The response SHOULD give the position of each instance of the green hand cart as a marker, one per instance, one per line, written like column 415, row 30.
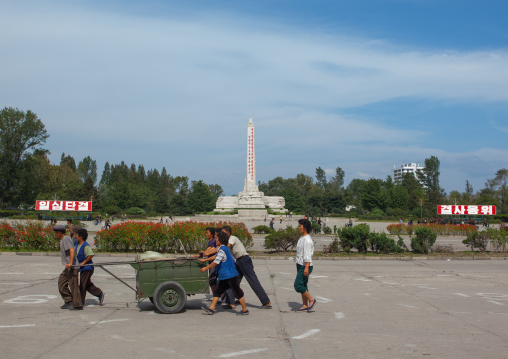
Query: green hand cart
column 166, row 282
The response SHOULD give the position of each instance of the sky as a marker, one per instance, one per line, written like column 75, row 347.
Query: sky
column 364, row 85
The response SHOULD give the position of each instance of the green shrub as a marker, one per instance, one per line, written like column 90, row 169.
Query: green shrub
column 333, row 247
column 163, row 238
column 112, row 209
column 135, row 211
column 381, row 243
column 29, row 236
column 262, row 229
column 327, row 230
column 316, row 228
column 498, row 239
column 283, row 239
column 423, row 241
column 479, row 240
column 9, row 213
column 356, row 237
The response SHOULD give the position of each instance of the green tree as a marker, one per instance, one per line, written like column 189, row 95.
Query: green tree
column 499, row 187
column 20, row 135
column 87, row 169
column 200, row 198
column 373, row 196
column 338, row 180
column 321, row 178
column 430, row 178
column 414, row 190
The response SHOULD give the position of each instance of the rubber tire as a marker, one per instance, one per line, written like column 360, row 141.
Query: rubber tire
column 169, row 297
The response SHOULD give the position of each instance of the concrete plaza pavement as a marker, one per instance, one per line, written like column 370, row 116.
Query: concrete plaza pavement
column 365, row 309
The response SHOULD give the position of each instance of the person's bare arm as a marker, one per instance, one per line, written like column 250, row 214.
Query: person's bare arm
column 211, row 265
column 71, row 252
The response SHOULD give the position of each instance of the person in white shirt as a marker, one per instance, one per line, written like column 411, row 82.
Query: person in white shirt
column 304, row 252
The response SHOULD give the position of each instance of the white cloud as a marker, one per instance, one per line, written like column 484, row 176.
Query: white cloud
column 178, row 92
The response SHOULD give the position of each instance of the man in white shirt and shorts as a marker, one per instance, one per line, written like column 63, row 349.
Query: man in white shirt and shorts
column 304, row 252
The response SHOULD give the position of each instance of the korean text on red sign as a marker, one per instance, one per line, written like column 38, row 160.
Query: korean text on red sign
column 466, row 209
column 63, row 206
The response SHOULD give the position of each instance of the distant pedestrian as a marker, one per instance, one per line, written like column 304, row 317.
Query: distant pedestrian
column 265, row 218
column 271, row 224
column 72, row 231
column 280, row 219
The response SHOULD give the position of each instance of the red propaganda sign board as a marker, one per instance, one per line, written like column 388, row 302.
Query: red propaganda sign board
column 467, row 209
column 63, row 206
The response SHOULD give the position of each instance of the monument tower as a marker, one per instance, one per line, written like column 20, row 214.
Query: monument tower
column 250, row 180
column 250, row 197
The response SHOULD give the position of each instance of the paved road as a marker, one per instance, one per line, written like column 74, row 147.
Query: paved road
column 365, row 309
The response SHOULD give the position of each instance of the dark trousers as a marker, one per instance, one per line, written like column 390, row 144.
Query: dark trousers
column 245, row 268
column 232, row 284
column 68, row 287
column 86, row 285
column 212, row 282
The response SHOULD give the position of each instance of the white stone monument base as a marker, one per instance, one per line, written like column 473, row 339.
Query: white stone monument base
column 252, row 213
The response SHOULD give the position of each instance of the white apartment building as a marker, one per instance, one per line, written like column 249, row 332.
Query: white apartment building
column 405, row 168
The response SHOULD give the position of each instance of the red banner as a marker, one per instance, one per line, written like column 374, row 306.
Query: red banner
column 63, row 206
column 467, row 209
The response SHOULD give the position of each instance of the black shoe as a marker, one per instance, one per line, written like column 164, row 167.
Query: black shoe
column 77, row 308
column 67, row 305
column 241, row 312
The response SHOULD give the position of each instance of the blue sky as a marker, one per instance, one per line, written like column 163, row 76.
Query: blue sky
column 364, row 85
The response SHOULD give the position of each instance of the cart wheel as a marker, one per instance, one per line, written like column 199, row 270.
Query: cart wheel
column 169, row 297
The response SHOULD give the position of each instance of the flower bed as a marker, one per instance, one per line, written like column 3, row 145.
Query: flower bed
column 29, row 236
column 163, row 238
column 439, row 229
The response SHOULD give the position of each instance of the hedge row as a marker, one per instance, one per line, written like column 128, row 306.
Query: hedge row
column 439, row 229
column 29, row 236
column 163, row 238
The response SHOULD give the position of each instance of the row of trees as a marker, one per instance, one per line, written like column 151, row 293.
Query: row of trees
column 26, row 174
column 124, row 187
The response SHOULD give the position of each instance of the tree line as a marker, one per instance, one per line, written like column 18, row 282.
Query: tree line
column 26, row 174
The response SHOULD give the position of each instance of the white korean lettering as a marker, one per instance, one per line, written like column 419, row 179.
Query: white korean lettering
column 458, row 210
column 56, row 206
column 69, row 205
column 82, row 206
column 43, row 205
column 446, row 209
column 486, row 210
column 472, row 209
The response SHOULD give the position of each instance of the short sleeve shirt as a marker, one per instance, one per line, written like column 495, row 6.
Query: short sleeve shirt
column 88, row 251
column 237, row 249
column 220, row 256
column 65, row 254
column 212, row 243
column 304, row 250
